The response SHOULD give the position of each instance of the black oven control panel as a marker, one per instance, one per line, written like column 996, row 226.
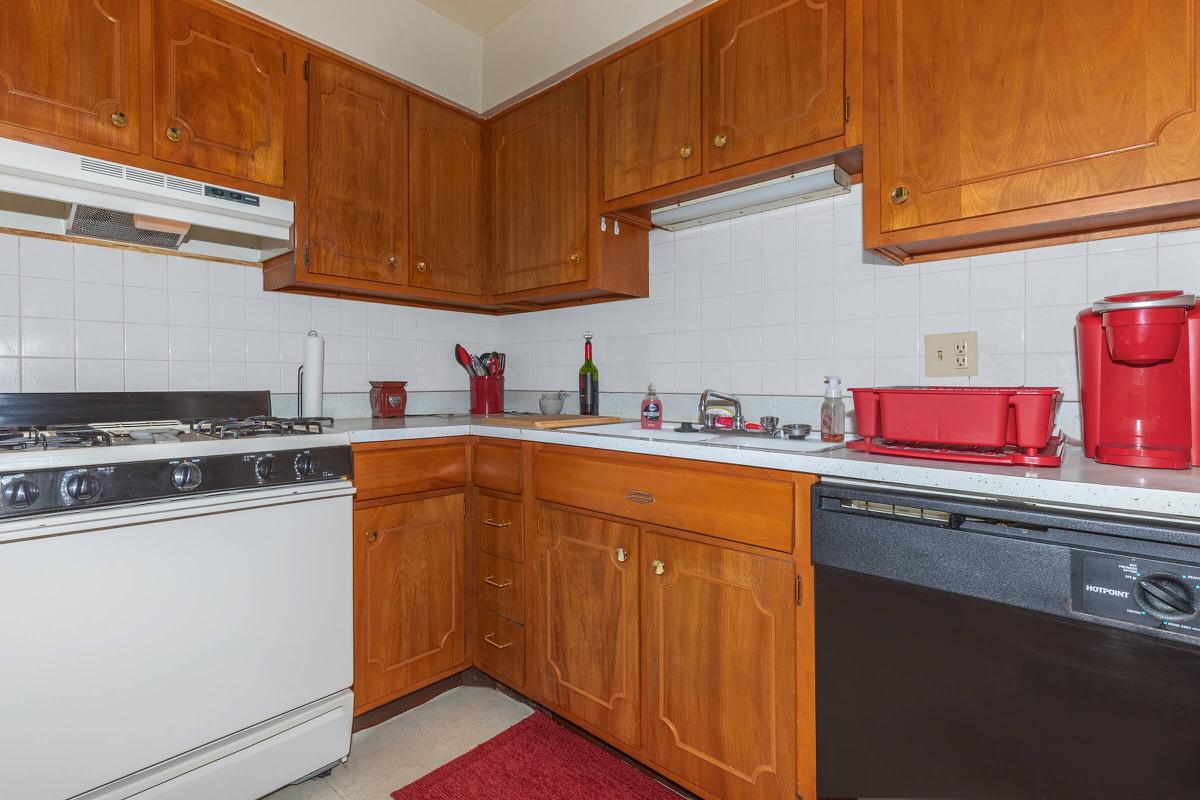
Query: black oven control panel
column 1137, row 591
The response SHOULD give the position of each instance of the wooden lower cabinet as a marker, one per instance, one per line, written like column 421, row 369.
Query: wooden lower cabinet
column 408, row 595
column 585, row 619
column 719, row 644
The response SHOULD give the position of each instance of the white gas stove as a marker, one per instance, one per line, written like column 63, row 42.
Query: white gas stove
column 175, row 596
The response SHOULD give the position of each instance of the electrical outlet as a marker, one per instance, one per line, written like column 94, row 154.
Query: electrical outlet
column 950, row 355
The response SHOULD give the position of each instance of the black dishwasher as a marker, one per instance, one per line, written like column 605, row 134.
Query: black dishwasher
column 975, row 649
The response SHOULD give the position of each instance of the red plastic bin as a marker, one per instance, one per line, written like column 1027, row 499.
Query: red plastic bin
column 986, row 424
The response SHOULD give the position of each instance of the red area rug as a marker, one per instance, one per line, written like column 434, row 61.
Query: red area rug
column 536, row 760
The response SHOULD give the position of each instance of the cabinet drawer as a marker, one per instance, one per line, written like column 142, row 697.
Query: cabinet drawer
column 501, row 647
column 385, row 471
column 502, row 587
column 498, row 467
column 501, row 528
column 736, row 506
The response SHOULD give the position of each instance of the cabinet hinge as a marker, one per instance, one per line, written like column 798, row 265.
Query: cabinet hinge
column 306, row 69
column 847, row 115
column 285, row 169
column 285, row 61
column 799, row 590
column 306, row 254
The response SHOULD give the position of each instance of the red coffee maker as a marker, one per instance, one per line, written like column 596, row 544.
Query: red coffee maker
column 1139, row 379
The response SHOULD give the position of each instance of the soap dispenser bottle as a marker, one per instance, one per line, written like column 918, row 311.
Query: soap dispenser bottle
column 833, row 411
column 652, row 411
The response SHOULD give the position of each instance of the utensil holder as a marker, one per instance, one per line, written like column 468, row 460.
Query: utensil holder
column 487, row 394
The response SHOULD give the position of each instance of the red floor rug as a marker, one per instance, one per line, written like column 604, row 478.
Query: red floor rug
column 536, row 760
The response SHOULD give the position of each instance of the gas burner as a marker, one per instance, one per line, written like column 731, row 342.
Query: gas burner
column 17, row 438
column 54, row 437
column 233, row 428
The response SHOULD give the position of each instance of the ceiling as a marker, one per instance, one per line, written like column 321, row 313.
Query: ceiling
column 479, row 16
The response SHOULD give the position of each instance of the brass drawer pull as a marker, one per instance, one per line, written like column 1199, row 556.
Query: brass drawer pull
column 658, row 567
column 496, row 644
column 492, row 523
column 622, row 555
column 490, row 580
column 372, row 536
column 119, row 119
column 639, row 497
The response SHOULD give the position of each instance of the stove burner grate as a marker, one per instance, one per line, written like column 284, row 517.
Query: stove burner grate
column 233, row 428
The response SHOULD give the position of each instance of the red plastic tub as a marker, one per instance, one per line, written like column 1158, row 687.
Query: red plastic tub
column 1000, row 424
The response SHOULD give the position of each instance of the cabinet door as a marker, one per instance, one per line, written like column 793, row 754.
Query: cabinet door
column 652, row 114
column 218, row 93
column 70, row 68
column 585, row 619
column 538, row 163
column 408, row 571
column 719, row 639
column 775, row 77
column 1012, row 104
column 357, row 181
column 446, row 198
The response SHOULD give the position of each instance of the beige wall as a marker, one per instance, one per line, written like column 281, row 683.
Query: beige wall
column 548, row 36
column 402, row 37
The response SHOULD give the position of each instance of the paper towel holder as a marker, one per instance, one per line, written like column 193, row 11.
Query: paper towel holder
column 300, row 385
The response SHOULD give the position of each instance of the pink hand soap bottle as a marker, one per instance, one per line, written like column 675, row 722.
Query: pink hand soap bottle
column 651, row 410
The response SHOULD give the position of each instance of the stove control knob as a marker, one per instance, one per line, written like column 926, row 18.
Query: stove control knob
column 21, row 494
column 307, row 465
column 265, row 468
column 81, row 487
column 186, row 476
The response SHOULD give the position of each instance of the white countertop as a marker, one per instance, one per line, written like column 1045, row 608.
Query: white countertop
column 1080, row 482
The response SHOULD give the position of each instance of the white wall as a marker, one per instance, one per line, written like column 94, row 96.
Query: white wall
column 548, row 36
column 402, row 37
column 770, row 303
column 77, row 317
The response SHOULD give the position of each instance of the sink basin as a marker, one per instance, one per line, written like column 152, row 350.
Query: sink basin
column 812, row 444
column 634, row 430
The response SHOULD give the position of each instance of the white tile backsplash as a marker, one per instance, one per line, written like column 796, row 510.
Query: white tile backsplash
column 766, row 304
column 76, row 317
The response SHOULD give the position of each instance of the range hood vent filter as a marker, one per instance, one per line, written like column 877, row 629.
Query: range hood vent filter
column 118, row 226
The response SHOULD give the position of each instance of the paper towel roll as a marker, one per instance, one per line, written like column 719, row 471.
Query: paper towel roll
column 313, row 381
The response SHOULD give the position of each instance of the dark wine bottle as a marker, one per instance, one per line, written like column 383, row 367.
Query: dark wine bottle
column 589, row 380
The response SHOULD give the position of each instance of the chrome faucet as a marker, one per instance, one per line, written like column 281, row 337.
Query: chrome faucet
column 739, row 422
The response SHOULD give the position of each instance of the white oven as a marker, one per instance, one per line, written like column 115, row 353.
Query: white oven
column 188, row 649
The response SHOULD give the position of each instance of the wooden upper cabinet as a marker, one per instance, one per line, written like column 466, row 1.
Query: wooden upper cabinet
column 585, row 619
column 651, row 114
column 218, row 93
column 1010, row 104
column 408, row 585
column 538, row 160
column 69, row 68
column 357, row 174
column 774, row 77
column 445, row 198
column 719, row 641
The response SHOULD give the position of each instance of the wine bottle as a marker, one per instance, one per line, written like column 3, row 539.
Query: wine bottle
column 589, row 380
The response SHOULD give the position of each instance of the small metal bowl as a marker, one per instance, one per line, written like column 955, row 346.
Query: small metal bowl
column 797, row 430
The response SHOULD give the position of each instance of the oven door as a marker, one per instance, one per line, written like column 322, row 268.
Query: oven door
column 132, row 635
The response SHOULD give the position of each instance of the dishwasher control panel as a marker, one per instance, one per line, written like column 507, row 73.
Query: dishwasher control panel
column 1137, row 591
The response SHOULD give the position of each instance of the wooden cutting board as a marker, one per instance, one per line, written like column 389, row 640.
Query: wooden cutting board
column 547, row 422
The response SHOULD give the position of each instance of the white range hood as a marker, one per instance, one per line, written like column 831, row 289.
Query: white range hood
column 800, row 187
column 52, row 191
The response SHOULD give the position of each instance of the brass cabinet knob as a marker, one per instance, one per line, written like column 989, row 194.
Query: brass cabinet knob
column 372, row 536
column 576, row 258
column 422, row 266
column 720, row 140
column 174, row 134
column 899, row 195
column 658, row 567
column 119, row 119
column 392, row 262
column 685, row 151
column 622, row 555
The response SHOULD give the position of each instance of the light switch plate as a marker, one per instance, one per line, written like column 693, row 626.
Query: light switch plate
column 950, row 355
